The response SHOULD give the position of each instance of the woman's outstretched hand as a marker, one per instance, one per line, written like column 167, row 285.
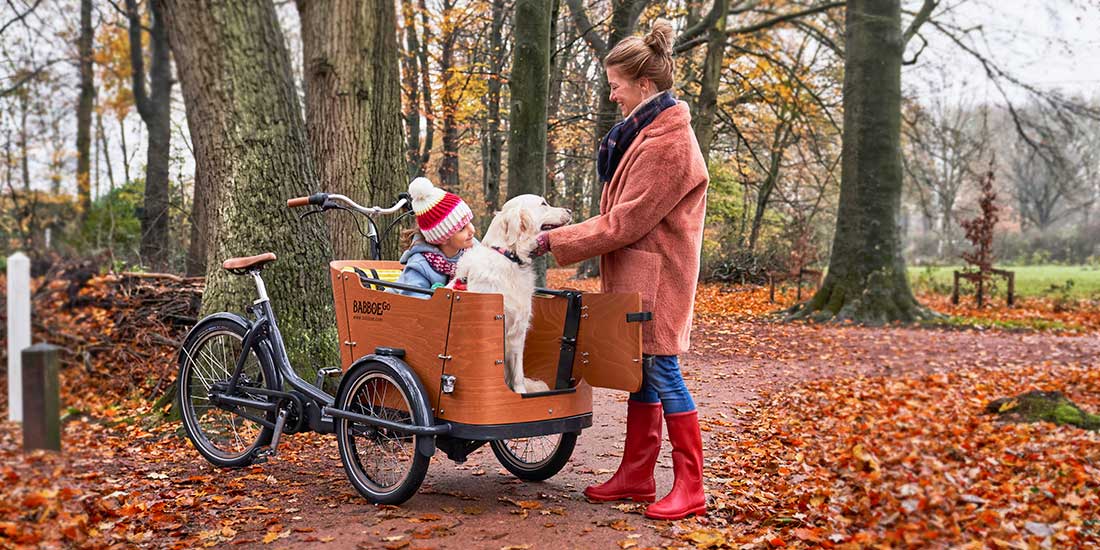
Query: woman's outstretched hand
column 542, row 245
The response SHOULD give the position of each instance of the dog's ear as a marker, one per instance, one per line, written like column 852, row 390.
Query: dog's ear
column 509, row 226
column 527, row 224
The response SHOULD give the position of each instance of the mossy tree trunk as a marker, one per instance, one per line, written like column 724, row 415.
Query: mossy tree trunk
column 251, row 154
column 353, row 110
column 866, row 281
column 530, row 85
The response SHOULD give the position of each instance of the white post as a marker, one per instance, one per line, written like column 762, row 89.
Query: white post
column 19, row 329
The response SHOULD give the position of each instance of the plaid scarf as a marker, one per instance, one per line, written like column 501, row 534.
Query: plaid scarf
column 440, row 264
column 618, row 140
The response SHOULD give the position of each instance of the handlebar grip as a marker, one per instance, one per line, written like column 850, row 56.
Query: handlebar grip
column 316, row 199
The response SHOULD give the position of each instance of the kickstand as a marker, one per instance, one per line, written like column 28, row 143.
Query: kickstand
column 261, row 455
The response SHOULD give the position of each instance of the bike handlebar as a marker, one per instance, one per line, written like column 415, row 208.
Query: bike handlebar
column 321, row 199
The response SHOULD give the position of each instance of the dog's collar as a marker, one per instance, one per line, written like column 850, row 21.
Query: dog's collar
column 509, row 254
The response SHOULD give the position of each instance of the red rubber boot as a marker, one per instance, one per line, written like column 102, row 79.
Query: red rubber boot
column 634, row 478
column 687, row 496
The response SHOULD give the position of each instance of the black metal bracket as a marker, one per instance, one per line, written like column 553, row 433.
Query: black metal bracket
column 569, row 340
column 639, row 316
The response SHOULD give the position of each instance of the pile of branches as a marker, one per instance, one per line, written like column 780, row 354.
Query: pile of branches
column 119, row 332
column 744, row 267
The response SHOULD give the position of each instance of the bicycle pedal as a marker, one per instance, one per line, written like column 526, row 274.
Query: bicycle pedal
column 259, row 456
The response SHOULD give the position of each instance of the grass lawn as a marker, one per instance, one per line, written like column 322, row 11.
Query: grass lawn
column 1031, row 281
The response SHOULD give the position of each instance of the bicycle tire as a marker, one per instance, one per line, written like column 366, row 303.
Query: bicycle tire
column 535, row 470
column 365, row 390
column 209, row 356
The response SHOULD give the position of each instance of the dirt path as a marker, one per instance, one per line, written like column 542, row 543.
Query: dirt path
column 474, row 505
column 302, row 498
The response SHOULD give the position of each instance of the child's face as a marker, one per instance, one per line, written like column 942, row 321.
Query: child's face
column 463, row 239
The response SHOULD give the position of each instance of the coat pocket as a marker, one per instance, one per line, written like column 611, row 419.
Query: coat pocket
column 634, row 270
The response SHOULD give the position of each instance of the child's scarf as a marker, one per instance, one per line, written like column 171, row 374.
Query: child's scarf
column 618, row 140
column 440, row 264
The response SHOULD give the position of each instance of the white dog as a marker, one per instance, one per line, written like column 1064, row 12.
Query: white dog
column 501, row 263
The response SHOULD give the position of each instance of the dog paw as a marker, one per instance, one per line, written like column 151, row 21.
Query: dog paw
column 535, row 386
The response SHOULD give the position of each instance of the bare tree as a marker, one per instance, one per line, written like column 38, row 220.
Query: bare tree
column 945, row 145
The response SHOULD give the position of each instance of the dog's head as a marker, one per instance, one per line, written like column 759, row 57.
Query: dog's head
column 520, row 220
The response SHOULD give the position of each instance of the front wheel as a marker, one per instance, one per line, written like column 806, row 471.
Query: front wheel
column 226, row 438
column 383, row 464
column 535, row 458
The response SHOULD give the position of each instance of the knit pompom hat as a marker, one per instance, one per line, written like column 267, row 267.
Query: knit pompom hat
column 439, row 214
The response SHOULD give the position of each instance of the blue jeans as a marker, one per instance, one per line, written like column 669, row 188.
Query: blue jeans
column 662, row 382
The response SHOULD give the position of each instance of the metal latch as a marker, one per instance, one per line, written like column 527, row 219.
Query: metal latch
column 448, row 381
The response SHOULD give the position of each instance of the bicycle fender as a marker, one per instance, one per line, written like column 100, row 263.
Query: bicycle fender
column 419, row 397
column 232, row 318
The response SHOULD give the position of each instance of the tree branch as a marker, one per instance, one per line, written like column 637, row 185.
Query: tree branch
column 918, row 20
column 585, row 28
column 785, row 17
column 19, row 17
column 708, row 21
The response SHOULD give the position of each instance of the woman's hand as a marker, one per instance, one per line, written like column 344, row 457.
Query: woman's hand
column 542, row 245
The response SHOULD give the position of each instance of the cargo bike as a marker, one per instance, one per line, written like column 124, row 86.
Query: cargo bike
column 416, row 375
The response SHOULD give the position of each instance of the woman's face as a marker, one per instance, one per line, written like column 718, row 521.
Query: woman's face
column 626, row 92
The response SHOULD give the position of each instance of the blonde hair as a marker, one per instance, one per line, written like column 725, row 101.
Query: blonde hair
column 646, row 57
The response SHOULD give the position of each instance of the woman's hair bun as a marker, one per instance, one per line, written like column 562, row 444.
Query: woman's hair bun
column 659, row 38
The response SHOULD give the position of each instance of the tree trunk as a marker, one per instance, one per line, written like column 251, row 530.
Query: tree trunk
column 353, row 110
column 428, row 110
column 410, row 84
column 84, row 110
column 624, row 16
column 553, row 106
column 251, row 154
column 866, row 281
column 706, row 105
column 155, row 111
column 448, row 166
column 492, row 142
column 529, row 85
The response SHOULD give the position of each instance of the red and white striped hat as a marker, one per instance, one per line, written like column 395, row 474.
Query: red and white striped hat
column 439, row 214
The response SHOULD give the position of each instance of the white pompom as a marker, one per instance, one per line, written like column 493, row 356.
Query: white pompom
column 420, row 188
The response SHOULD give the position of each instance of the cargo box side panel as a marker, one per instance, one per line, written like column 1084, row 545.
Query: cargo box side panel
column 384, row 319
column 609, row 347
column 476, row 359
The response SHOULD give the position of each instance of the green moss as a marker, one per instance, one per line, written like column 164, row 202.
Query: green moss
column 1005, row 324
column 1036, row 406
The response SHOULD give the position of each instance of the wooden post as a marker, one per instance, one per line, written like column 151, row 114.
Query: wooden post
column 19, row 329
column 955, row 290
column 1011, row 287
column 981, row 285
column 41, row 399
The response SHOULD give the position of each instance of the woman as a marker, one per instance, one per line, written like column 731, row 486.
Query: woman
column 649, row 234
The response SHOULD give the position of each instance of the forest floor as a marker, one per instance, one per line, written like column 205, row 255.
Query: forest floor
column 829, row 436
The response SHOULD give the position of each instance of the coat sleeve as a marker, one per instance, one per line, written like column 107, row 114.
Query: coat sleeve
column 414, row 275
column 657, row 181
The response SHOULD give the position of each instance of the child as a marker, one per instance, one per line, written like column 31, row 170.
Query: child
column 443, row 233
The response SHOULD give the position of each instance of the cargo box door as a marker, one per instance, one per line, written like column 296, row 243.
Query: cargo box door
column 609, row 341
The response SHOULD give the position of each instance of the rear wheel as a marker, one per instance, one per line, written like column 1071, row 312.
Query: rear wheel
column 224, row 437
column 535, row 458
column 382, row 464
